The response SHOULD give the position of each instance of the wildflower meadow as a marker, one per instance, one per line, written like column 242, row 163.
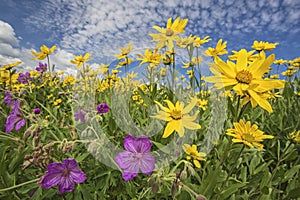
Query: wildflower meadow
column 178, row 121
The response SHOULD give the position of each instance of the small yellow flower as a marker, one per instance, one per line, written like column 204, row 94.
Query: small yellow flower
column 45, row 51
column 280, row 62
column 185, row 41
column 150, row 56
column 202, row 103
column 57, row 101
column 295, row 135
column 124, row 51
column 247, row 134
column 192, row 153
column 79, row 60
column 261, row 46
column 177, row 117
column 219, row 50
column 198, row 42
column 10, row 66
column 193, row 62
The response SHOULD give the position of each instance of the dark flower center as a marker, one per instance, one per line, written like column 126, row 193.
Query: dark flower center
column 176, row 114
column 66, row 172
column 169, row 32
column 248, row 137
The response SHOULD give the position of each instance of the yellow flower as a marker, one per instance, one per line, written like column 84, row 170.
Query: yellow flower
column 177, row 117
column 219, row 50
column 185, row 42
column 79, row 60
column 4, row 75
column 124, row 51
column 202, row 103
column 198, row 42
column 10, row 66
column 150, row 56
column 289, row 72
column 250, row 56
column 245, row 79
column 190, row 73
column 193, row 62
column 192, row 153
column 169, row 34
column 274, row 76
column 57, row 101
column 45, row 51
column 280, row 62
column 261, row 46
column 70, row 80
column 247, row 134
column 295, row 135
column 103, row 68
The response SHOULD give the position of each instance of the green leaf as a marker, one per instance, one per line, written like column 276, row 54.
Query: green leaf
column 231, row 190
column 291, row 172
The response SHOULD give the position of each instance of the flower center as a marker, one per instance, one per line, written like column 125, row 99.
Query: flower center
column 248, row 137
column 66, row 172
column 169, row 32
column 244, row 76
column 176, row 114
column 138, row 155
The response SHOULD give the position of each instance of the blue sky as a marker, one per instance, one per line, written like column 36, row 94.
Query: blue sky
column 101, row 27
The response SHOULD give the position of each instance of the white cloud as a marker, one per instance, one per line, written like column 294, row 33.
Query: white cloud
column 7, row 34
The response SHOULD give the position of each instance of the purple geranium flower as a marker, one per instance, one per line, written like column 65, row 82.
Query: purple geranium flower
column 136, row 157
column 80, row 115
column 102, row 108
column 8, row 99
column 15, row 118
column 42, row 67
column 24, row 78
column 64, row 174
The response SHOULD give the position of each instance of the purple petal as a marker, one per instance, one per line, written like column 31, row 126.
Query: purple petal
column 124, row 159
column 130, row 144
column 20, row 124
column 147, row 163
column 50, row 180
column 55, row 167
column 127, row 176
column 78, row 176
column 70, row 163
column 11, row 120
column 66, row 185
column 144, row 144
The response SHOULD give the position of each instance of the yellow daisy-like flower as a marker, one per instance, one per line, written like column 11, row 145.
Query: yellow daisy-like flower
column 169, row 34
column 10, row 66
column 150, row 56
column 250, row 56
column 219, row 50
column 198, row 41
column 79, row 60
column 124, row 51
column 295, row 135
column 261, row 46
column 45, row 51
column 194, row 61
column 247, row 134
column 185, row 41
column 245, row 78
column 192, row 153
column 280, row 62
column 177, row 117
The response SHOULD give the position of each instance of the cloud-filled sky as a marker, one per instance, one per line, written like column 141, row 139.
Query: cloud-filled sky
column 100, row 27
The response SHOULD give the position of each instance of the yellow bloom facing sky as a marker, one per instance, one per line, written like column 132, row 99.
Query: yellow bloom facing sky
column 247, row 134
column 79, row 60
column 167, row 35
column 245, row 78
column 178, row 117
column 192, row 153
column 260, row 46
column 45, row 51
column 218, row 51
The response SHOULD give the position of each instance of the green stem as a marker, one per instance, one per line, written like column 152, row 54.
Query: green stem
column 21, row 184
column 48, row 63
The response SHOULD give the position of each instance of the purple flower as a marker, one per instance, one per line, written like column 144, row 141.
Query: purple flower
column 80, row 115
column 136, row 157
column 102, row 108
column 8, row 99
column 24, row 78
column 15, row 118
column 42, row 67
column 36, row 110
column 64, row 174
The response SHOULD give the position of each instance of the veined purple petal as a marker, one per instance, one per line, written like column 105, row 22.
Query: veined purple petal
column 66, row 184
column 10, row 123
column 70, row 163
column 143, row 144
column 130, row 144
column 50, row 180
column 78, row 176
column 124, row 159
column 55, row 167
column 127, row 176
column 147, row 164
column 20, row 124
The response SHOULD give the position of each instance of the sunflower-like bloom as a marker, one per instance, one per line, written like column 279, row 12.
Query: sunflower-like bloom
column 247, row 134
column 124, row 51
column 295, row 135
column 169, row 34
column 193, row 62
column 45, row 51
column 10, row 66
column 218, row 51
column 177, row 117
column 198, row 41
column 280, row 62
column 150, row 56
column 192, row 153
column 185, row 41
column 245, row 78
column 261, row 46
column 79, row 60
